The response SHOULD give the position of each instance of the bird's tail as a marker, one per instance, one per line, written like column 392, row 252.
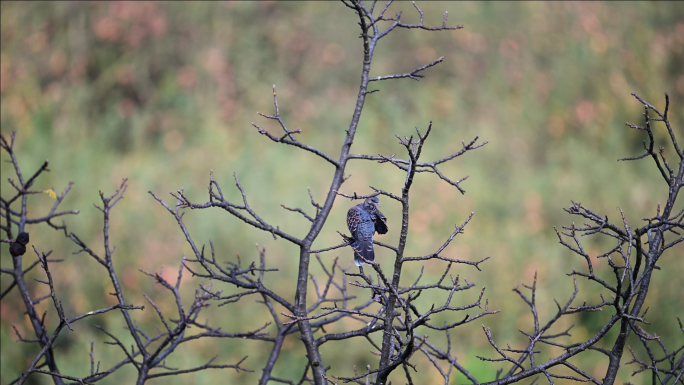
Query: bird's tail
column 365, row 250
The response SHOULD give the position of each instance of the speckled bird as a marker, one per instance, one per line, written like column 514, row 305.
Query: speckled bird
column 363, row 221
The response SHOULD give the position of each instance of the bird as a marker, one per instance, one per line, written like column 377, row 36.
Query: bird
column 363, row 220
column 18, row 247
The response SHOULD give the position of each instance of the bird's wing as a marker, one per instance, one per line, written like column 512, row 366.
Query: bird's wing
column 380, row 222
column 353, row 220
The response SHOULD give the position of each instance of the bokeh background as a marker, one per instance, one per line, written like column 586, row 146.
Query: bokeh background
column 163, row 92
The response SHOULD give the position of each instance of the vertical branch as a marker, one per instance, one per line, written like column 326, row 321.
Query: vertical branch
column 108, row 203
column 17, row 259
column 414, row 155
column 675, row 183
column 315, row 360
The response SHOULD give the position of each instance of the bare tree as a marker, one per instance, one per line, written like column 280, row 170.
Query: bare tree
column 390, row 297
column 393, row 323
column 142, row 355
column 632, row 265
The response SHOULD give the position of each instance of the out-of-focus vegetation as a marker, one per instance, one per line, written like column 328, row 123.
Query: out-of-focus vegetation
column 163, row 92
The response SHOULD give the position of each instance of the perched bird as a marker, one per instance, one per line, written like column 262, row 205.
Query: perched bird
column 18, row 247
column 363, row 221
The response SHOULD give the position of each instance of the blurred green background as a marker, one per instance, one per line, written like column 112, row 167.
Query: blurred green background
column 163, row 92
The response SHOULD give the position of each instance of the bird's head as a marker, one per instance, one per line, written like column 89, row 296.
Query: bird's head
column 372, row 202
column 22, row 238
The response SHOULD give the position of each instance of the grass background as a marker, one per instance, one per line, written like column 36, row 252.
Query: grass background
column 163, row 92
